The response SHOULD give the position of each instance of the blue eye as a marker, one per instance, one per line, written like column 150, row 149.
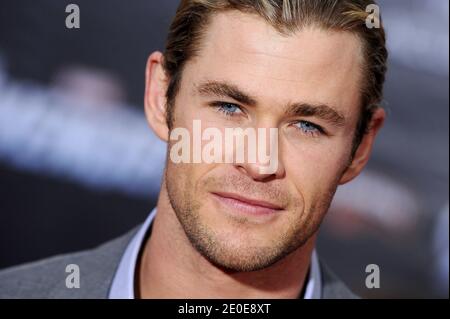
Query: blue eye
column 228, row 108
column 309, row 128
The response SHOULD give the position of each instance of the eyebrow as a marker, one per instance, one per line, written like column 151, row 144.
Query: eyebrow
column 322, row 111
column 224, row 89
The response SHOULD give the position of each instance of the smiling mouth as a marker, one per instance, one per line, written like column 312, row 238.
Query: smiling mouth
column 247, row 206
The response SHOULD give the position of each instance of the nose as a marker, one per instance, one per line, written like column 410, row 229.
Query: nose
column 266, row 165
column 257, row 172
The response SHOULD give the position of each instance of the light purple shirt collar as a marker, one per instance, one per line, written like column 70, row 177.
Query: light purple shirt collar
column 123, row 283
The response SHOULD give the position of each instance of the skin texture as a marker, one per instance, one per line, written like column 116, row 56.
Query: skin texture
column 199, row 246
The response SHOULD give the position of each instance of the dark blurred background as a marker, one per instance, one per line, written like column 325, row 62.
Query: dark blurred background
column 78, row 165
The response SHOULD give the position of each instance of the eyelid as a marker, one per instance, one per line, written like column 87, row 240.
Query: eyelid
column 319, row 128
column 222, row 103
column 219, row 104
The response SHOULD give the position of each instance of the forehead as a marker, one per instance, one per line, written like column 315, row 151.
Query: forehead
column 311, row 65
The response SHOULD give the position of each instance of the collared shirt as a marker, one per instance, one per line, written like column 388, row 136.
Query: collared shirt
column 123, row 283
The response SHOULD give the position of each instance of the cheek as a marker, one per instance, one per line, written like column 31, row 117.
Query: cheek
column 314, row 170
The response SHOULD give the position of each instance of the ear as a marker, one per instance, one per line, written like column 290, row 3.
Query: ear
column 155, row 95
column 364, row 150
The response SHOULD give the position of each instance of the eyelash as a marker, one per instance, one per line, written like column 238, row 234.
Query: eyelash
column 220, row 107
column 317, row 130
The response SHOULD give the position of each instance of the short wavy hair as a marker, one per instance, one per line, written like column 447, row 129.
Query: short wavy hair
column 287, row 17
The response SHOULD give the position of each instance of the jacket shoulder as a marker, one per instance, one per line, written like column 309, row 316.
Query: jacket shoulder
column 47, row 278
column 333, row 287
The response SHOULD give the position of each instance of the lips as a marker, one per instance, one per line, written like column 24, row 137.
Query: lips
column 247, row 205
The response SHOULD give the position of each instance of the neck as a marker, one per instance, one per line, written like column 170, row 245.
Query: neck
column 172, row 268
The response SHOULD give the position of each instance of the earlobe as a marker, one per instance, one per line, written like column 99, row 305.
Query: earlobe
column 364, row 150
column 155, row 95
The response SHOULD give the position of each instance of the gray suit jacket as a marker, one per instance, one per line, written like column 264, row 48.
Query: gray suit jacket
column 47, row 278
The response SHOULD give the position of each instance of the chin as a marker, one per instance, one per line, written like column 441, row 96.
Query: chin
column 242, row 259
column 238, row 248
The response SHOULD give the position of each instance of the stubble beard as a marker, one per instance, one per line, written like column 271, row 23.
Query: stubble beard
column 242, row 257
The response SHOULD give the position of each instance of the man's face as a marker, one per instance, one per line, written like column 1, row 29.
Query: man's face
column 307, row 86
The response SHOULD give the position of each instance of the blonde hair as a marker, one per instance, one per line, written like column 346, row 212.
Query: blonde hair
column 287, row 17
